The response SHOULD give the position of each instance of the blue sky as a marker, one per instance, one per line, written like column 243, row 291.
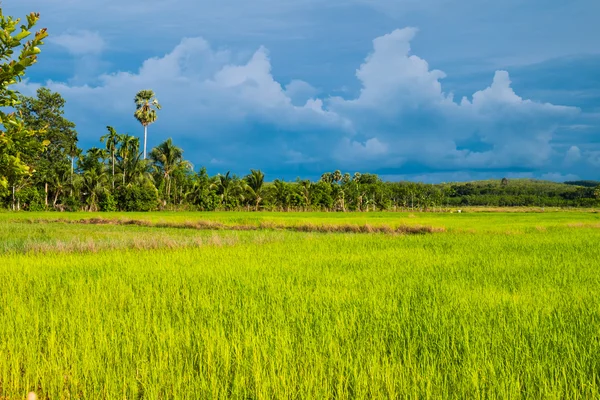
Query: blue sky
column 430, row 90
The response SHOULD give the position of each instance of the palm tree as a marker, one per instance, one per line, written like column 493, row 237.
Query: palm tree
column 282, row 193
column 129, row 149
column 146, row 106
column 112, row 140
column 305, row 190
column 327, row 177
column 229, row 188
column 74, row 152
column 256, row 181
column 168, row 158
column 337, row 176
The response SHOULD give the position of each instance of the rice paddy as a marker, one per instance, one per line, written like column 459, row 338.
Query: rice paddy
column 299, row 305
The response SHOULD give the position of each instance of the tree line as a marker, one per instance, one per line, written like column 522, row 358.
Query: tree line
column 42, row 167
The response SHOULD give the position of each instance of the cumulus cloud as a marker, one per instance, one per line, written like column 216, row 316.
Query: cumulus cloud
column 403, row 104
column 80, row 43
column 573, row 155
column 233, row 111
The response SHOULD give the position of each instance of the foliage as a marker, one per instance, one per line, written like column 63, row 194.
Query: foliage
column 17, row 141
column 146, row 107
column 143, row 197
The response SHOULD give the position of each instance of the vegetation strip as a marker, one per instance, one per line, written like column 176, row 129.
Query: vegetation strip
column 212, row 225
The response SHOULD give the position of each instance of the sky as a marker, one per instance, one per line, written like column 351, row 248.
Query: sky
column 425, row 90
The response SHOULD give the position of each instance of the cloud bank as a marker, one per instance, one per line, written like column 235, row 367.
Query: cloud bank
column 223, row 106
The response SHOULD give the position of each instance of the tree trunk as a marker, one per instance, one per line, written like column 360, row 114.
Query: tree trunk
column 46, row 194
column 145, row 138
column 113, row 177
column 55, row 198
column 13, row 198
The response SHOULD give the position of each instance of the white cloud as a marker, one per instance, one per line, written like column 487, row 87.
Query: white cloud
column 299, row 91
column 80, row 43
column 355, row 150
column 573, row 155
column 403, row 104
column 234, row 110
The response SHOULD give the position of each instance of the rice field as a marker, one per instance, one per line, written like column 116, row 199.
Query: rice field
column 299, row 305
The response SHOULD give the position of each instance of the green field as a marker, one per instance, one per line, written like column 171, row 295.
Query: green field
column 169, row 306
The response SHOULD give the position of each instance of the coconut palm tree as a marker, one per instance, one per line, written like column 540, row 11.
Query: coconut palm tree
column 129, row 149
column 146, row 106
column 168, row 158
column 256, row 181
column 112, row 140
column 229, row 188
column 282, row 193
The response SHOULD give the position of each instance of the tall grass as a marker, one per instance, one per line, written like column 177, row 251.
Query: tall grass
column 303, row 315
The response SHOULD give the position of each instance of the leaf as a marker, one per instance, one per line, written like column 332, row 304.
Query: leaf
column 22, row 35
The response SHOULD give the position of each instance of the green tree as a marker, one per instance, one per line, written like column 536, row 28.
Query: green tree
column 112, row 140
column 44, row 113
column 94, row 176
column 229, row 188
column 168, row 158
column 16, row 139
column 128, row 153
column 256, row 181
column 146, row 107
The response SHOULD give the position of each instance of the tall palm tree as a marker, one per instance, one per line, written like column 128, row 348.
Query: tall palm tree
column 256, row 181
column 128, row 150
column 146, row 106
column 74, row 152
column 168, row 158
column 112, row 140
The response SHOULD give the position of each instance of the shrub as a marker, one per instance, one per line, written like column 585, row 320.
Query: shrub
column 138, row 197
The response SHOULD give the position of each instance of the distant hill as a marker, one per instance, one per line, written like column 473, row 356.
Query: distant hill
column 584, row 183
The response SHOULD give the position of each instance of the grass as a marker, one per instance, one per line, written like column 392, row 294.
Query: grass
column 495, row 306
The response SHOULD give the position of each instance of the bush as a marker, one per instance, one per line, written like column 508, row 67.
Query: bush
column 30, row 199
column 72, row 203
column 138, row 198
column 108, row 203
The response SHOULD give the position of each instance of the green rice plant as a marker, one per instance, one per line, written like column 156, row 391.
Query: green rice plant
column 477, row 311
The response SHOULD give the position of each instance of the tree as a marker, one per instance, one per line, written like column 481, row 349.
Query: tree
column 305, row 189
column 327, row 177
column 44, row 113
column 229, row 188
column 94, row 176
column 146, row 106
column 337, row 176
column 167, row 158
column 112, row 140
column 255, row 182
column 129, row 153
column 16, row 139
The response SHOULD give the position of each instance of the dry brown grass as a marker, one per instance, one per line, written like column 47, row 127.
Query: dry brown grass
column 265, row 225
